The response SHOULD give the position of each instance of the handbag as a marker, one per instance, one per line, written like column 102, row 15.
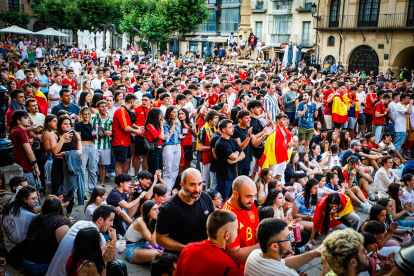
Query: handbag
column 150, row 145
column 116, row 268
column 100, row 129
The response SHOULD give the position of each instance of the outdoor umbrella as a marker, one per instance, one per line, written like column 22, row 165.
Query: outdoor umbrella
column 16, row 30
column 124, row 41
column 175, row 47
column 50, row 31
column 294, row 61
column 299, row 55
column 290, row 56
column 285, row 57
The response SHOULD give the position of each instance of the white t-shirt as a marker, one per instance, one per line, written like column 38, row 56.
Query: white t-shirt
column 96, row 83
column 20, row 75
column 407, row 197
column 335, row 161
column 399, row 116
column 39, row 53
column 141, row 55
column 139, row 96
column 231, row 99
column 256, row 265
column 361, row 99
column 89, row 211
column 390, row 146
column 54, row 91
column 58, row 265
column 76, row 67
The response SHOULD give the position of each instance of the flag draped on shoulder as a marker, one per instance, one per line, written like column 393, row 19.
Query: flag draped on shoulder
column 339, row 110
column 41, row 102
column 348, row 101
column 276, row 151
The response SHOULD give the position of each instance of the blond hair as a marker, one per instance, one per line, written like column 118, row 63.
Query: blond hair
column 338, row 246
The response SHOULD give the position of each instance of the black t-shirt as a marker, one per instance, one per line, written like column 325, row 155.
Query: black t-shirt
column 224, row 148
column 115, row 197
column 182, row 222
column 242, row 135
column 214, row 139
column 257, row 128
column 139, row 191
column 202, row 136
column 315, row 140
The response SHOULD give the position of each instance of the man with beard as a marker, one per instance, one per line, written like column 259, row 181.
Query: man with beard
column 275, row 244
column 344, row 251
column 182, row 218
column 241, row 203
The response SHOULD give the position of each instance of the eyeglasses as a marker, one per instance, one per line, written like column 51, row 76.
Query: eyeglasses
column 288, row 239
column 33, row 198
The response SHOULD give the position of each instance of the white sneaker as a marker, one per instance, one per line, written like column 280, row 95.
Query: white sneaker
column 366, row 207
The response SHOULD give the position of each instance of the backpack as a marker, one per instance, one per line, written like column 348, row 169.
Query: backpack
column 116, row 268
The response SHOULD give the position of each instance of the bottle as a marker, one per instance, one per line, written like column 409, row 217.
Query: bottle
column 3, row 271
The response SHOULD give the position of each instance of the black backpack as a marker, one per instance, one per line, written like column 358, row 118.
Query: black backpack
column 116, row 268
column 131, row 115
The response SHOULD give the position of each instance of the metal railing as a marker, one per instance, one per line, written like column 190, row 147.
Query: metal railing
column 274, row 39
column 381, row 21
column 303, row 5
column 259, row 6
column 281, row 7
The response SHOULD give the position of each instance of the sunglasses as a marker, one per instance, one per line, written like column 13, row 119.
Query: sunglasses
column 288, row 239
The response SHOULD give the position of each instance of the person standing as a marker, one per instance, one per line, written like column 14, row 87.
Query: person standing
column 54, row 92
column 288, row 99
column 228, row 153
column 401, row 112
column 360, row 94
column 307, row 111
column 270, row 102
column 241, row 203
column 96, row 83
column 209, row 256
column 122, row 129
column 380, row 111
column 67, row 105
column 17, row 102
column 182, row 218
column 141, row 112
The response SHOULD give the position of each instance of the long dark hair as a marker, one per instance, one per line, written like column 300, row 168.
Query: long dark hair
column 187, row 118
column 308, row 186
column 97, row 191
column 82, row 99
column 393, row 190
column 332, row 198
column 60, row 131
column 48, row 119
column 338, row 171
column 301, row 158
column 146, row 208
column 87, row 247
column 96, row 98
column 14, row 207
column 51, row 206
column 384, row 202
column 266, row 212
column 168, row 118
column 328, row 138
column 153, row 118
column 343, row 143
column 292, row 156
column 374, row 212
column 271, row 197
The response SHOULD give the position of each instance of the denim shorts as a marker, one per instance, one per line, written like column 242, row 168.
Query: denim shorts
column 131, row 247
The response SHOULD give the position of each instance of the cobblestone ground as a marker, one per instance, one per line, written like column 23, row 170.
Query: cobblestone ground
column 313, row 268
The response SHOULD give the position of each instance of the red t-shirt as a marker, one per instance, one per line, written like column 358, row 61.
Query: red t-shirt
column 206, row 258
column 153, row 133
column 109, row 82
column 187, row 141
column 94, row 56
column 129, row 89
column 328, row 110
column 71, row 83
column 19, row 136
column 369, row 109
column 374, row 145
column 212, row 100
column 246, row 232
column 119, row 122
column 141, row 117
column 380, row 107
column 9, row 114
column 243, row 76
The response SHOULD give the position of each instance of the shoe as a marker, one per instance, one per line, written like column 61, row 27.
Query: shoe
column 366, row 207
column 107, row 177
column 112, row 174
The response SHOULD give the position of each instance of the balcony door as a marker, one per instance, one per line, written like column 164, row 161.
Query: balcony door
column 368, row 13
column 410, row 14
column 334, row 13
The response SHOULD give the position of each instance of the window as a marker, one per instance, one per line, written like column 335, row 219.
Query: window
column 259, row 30
column 193, row 46
column 410, row 14
column 230, row 1
column 368, row 13
column 331, row 60
column 308, row 4
column 282, row 5
column 280, row 26
column 211, row 1
column 210, row 25
column 334, row 13
column 306, row 34
column 331, row 41
column 230, row 19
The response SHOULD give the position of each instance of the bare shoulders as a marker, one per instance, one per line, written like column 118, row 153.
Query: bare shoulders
column 88, row 269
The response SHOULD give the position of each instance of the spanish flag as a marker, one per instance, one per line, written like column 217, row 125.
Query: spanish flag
column 346, row 209
column 339, row 110
column 348, row 101
column 41, row 102
column 276, row 143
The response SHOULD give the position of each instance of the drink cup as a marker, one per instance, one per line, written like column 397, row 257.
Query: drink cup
column 121, row 246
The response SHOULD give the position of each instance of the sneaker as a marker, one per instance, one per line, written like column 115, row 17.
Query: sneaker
column 366, row 207
column 369, row 206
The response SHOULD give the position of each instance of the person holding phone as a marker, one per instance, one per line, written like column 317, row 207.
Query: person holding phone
column 187, row 132
column 141, row 113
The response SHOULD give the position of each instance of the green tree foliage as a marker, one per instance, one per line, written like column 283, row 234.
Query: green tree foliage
column 14, row 17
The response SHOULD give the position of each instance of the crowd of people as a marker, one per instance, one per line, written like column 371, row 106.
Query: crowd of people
column 219, row 169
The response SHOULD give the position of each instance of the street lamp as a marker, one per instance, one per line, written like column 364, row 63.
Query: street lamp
column 313, row 11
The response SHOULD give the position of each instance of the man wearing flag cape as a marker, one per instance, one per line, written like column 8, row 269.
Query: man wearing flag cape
column 276, row 152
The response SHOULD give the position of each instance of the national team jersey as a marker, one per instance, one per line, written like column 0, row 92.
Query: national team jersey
column 246, row 232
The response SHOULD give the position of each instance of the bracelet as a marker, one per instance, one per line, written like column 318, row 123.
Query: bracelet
column 63, row 139
column 312, row 238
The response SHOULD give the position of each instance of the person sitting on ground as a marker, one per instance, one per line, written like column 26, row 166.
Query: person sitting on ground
column 355, row 150
column 307, row 165
column 332, row 159
column 262, row 182
column 164, row 264
column 275, row 244
column 369, row 157
column 160, row 194
column 355, row 175
column 293, row 172
column 370, row 245
column 208, row 257
column 383, row 235
column 408, row 194
column 315, row 156
column 97, row 198
column 399, row 211
column 385, row 176
column 387, row 140
column 141, row 244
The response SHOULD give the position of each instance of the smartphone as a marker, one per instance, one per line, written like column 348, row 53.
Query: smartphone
column 185, row 131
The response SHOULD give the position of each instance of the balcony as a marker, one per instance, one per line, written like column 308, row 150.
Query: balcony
column 259, row 6
column 279, row 39
column 353, row 22
column 303, row 5
column 281, row 7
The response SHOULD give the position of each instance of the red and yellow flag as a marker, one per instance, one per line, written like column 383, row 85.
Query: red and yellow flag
column 339, row 110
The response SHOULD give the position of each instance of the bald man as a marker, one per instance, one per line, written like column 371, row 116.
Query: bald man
column 241, row 203
column 182, row 218
column 4, row 78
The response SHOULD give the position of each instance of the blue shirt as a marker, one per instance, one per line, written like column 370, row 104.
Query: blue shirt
column 42, row 80
column 173, row 140
column 71, row 108
column 333, row 68
column 300, row 203
column 307, row 120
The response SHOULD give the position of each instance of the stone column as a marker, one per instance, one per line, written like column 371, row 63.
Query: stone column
column 245, row 28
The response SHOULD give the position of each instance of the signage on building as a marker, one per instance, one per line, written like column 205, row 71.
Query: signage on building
column 283, row 45
column 196, row 38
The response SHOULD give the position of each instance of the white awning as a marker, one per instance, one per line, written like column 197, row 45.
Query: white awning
column 217, row 38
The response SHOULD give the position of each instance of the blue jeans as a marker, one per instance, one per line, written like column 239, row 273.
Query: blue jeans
column 36, row 269
column 224, row 187
column 154, row 160
column 405, row 224
column 399, row 140
column 89, row 159
column 391, row 126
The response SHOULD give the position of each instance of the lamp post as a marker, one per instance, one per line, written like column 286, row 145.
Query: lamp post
column 317, row 18
column 6, row 146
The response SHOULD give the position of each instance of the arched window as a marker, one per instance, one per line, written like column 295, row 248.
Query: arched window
column 330, row 59
column 368, row 13
column 410, row 14
column 334, row 13
column 331, row 41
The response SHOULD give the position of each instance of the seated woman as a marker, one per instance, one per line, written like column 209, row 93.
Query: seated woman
column 337, row 206
column 293, row 172
column 306, row 165
column 354, row 193
column 86, row 258
column 343, row 142
column 261, row 185
column 378, row 229
column 368, row 156
column 141, row 244
column 315, row 156
column 355, row 175
column 385, row 176
column 330, row 140
column 44, row 236
column 332, row 159
column 399, row 211
column 16, row 218
column 305, row 204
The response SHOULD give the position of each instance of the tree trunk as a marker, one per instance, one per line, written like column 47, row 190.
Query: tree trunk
column 153, row 50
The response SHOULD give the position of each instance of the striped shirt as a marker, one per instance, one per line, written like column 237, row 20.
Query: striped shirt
column 256, row 265
column 106, row 124
column 270, row 104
